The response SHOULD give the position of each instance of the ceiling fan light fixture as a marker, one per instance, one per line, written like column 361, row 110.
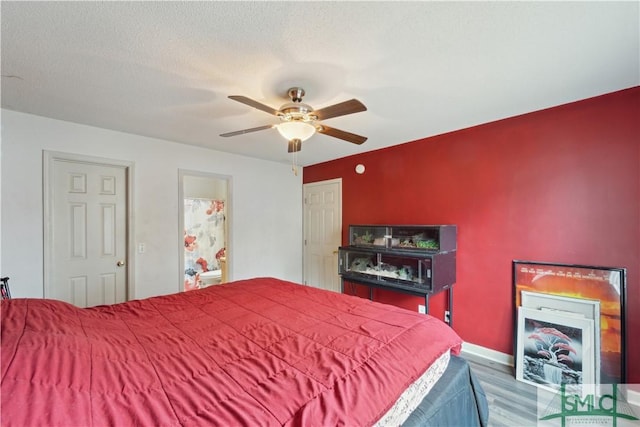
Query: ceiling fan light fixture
column 299, row 121
column 296, row 130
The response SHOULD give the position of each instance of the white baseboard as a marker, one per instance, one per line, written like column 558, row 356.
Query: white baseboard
column 487, row 353
column 633, row 397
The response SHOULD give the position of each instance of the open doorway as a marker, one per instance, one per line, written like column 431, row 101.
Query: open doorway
column 204, row 229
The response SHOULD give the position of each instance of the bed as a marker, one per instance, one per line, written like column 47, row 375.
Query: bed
column 257, row 352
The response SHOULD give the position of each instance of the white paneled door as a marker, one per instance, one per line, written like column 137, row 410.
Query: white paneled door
column 87, row 230
column 322, row 233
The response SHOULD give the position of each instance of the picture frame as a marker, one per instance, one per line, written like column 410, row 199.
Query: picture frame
column 587, row 308
column 554, row 349
column 605, row 284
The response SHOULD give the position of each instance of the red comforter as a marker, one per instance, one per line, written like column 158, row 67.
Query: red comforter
column 257, row 352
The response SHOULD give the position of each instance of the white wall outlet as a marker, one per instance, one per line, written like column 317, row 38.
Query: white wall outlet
column 422, row 309
column 141, row 248
column 447, row 317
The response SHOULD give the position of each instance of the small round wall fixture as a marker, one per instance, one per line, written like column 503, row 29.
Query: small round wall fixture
column 360, row 169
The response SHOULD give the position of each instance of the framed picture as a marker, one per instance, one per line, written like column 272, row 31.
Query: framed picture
column 604, row 284
column 585, row 308
column 554, row 349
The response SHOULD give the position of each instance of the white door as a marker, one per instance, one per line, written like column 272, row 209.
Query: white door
column 87, row 232
column 322, row 233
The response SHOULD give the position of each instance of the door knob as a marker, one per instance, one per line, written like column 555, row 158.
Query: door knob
column 120, row 263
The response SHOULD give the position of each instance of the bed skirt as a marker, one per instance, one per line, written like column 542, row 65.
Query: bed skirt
column 457, row 399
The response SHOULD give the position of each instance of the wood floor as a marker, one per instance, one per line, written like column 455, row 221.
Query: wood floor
column 511, row 403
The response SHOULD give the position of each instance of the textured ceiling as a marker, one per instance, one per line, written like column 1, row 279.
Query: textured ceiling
column 165, row 69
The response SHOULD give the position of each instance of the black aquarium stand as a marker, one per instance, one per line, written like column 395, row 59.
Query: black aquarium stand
column 418, row 260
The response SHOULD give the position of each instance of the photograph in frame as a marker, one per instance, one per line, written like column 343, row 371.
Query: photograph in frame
column 554, row 349
column 586, row 308
column 605, row 284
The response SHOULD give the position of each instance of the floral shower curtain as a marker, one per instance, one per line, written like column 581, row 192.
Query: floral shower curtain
column 204, row 240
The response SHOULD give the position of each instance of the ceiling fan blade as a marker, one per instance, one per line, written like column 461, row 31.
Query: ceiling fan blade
column 242, row 132
column 255, row 104
column 341, row 109
column 341, row 134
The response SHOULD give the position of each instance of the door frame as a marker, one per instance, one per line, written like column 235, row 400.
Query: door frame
column 48, row 158
column 304, row 219
column 228, row 221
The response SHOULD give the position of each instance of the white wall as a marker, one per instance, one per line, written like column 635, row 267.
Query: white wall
column 204, row 187
column 266, row 239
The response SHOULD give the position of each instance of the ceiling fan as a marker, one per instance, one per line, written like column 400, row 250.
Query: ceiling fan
column 299, row 121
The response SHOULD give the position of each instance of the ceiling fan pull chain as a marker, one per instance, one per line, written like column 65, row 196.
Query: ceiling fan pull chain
column 294, row 165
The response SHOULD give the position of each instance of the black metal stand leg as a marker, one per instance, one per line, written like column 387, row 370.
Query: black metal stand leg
column 426, row 304
column 370, row 293
column 450, row 292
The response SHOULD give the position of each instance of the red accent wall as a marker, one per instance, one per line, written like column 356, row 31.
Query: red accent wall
column 558, row 185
